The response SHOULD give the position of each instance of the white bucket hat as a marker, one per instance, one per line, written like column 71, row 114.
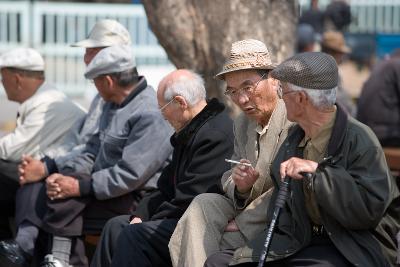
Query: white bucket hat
column 106, row 33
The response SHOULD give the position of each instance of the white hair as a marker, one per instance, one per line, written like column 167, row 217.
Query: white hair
column 321, row 99
column 192, row 89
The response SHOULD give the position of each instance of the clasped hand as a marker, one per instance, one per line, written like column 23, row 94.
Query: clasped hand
column 60, row 186
column 30, row 170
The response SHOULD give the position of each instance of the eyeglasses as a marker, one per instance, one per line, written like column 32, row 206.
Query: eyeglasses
column 248, row 89
column 280, row 92
column 163, row 107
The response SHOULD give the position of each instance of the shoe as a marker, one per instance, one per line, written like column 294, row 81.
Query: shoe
column 50, row 261
column 11, row 255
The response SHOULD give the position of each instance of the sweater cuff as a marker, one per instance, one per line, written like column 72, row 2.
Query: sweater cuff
column 86, row 187
column 50, row 165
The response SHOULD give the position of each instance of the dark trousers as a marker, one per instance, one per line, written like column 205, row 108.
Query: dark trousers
column 8, row 190
column 144, row 244
column 320, row 253
column 107, row 244
column 68, row 217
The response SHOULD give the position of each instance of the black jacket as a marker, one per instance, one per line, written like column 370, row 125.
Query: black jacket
column 196, row 167
column 357, row 197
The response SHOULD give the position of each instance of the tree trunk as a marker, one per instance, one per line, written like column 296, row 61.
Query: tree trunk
column 197, row 34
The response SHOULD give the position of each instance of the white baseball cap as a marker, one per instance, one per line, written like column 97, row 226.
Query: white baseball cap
column 22, row 58
column 105, row 33
column 112, row 59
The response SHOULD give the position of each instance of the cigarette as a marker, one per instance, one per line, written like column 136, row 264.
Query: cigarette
column 238, row 162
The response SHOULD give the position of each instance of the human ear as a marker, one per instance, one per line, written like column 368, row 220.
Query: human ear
column 181, row 101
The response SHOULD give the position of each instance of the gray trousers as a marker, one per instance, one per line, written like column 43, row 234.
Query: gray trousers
column 200, row 231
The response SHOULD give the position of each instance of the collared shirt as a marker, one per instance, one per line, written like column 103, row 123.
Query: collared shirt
column 260, row 132
column 315, row 149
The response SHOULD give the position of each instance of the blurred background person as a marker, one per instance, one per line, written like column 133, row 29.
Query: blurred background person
column 379, row 102
column 334, row 44
column 306, row 39
column 313, row 17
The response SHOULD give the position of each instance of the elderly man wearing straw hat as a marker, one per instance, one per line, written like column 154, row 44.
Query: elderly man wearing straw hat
column 345, row 211
column 214, row 222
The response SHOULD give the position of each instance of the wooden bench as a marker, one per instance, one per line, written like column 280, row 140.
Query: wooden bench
column 392, row 155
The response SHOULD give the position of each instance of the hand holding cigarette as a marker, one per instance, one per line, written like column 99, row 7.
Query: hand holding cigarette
column 243, row 175
column 238, row 162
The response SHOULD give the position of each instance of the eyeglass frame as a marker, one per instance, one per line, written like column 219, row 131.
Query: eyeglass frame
column 166, row 105
column 280, row 92
column 251, row 89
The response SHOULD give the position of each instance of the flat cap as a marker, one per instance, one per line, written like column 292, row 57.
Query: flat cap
column 22, row 58
column 105, row 33
column 311, row 70
column 111, row 59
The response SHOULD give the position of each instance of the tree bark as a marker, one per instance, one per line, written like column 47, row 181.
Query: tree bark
column 197, row 34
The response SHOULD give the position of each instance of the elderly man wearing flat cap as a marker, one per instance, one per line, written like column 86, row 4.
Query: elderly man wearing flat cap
column 44, row 117
column 214, row 222
column 345, row 212
column 105, row 33
column 118, row 166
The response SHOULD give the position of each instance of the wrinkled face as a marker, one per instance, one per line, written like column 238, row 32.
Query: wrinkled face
column 293, row 108
column 255, row 95
column 90, row 53
column 103, row 87
column 170, row 110
column 10, row 84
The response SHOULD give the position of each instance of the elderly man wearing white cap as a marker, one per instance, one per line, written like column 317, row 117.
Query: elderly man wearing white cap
column 343, row 206
column 44, row 117
column 117, row 167
column 214, row 222
column 105, row 33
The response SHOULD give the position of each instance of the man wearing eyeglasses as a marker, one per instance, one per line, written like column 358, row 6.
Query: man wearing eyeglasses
column 345, row 211
column 203, row 138
column 215, row 222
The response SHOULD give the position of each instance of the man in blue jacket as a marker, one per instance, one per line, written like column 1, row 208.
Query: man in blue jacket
column 117, row 167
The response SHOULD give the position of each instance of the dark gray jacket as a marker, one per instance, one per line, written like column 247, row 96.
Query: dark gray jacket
column 130, row 149
column 379, row 102
column 357, row 197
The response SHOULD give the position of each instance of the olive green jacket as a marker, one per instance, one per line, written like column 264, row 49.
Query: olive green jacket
column 357, row 197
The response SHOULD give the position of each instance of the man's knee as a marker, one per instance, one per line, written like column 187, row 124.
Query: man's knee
column 132, row 233
column 219, row 259
column 208, row 200
column 117, row 223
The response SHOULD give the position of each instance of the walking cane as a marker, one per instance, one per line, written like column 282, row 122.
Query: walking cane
column 279, row 203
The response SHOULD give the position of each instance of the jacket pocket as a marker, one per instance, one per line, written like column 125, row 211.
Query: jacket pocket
column 114, row 145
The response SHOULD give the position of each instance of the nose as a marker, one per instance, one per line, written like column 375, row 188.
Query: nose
column 243, row 98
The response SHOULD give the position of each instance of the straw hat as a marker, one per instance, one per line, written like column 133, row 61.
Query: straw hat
column 245, row 55
column 335, row 41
